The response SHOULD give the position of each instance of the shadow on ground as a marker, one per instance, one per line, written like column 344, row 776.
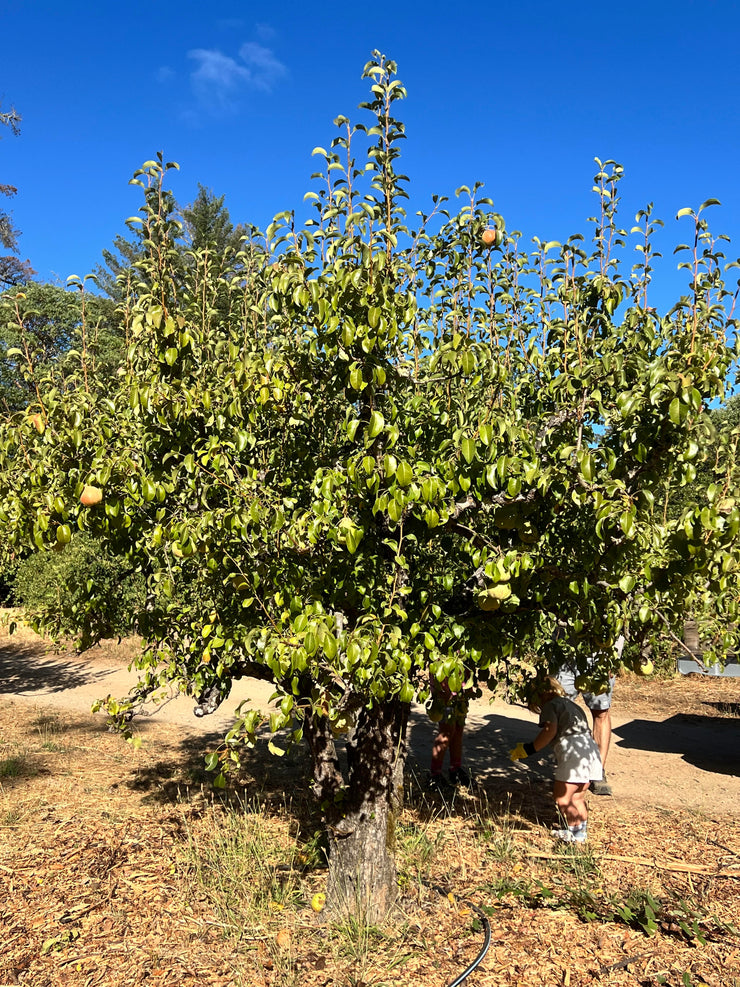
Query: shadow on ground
column 486, row 745
column 25, row 670
column 726, row 708
column 501, row 788
column 710, row 743
column 180, row 772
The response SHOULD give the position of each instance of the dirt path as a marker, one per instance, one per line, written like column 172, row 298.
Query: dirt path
column 676, row 744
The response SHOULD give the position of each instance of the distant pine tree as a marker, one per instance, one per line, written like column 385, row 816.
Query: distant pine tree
column 205, row 224
column 208, row 224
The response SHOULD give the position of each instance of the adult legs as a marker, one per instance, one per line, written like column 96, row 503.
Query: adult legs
column 602, row 731
column 449, row 737
column 600, row 707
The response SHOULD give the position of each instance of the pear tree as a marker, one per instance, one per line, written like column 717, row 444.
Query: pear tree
column 379, row 452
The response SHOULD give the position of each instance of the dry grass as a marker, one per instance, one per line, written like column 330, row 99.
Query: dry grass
column 688, row 695
column 121, row 867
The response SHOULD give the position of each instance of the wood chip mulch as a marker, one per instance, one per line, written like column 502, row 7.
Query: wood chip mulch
column 95, row 888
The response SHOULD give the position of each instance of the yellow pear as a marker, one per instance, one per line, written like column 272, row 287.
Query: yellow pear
column 501, row 591
column 318, row 901
column 488, row 602
column 90, row 495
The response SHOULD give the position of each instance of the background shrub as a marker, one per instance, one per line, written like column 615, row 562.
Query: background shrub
column 54, row 589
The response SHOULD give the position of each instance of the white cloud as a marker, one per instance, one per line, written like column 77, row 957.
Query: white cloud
column 264, row 67
column 264, row 31
column 218, row 80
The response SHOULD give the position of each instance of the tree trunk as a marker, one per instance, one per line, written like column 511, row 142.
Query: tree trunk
column 361, row 812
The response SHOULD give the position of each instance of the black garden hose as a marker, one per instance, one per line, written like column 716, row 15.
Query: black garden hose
column 484, row 948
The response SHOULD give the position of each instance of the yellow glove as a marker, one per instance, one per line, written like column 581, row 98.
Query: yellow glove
column 518, row 753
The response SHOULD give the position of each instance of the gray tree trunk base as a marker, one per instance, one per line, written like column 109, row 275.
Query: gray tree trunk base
column 361, row 807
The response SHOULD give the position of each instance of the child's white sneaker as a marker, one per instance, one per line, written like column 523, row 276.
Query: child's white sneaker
column 572, row 834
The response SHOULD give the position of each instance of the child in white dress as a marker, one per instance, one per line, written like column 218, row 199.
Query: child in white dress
column 578, row 763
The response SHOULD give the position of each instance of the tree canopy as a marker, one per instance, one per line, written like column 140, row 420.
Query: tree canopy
column 378, row 451
column 45, row 333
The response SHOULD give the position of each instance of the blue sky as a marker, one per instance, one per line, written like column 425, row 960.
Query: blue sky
column 519, row 96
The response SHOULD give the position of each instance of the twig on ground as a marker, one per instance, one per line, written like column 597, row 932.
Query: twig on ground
column 734, row 853
column 623, row 964
column 672, row 865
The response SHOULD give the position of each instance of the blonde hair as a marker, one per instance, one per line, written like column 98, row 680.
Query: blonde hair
column 540, row 689
column 551, row 684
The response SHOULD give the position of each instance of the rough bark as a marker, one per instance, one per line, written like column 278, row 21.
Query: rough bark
column 360, row 810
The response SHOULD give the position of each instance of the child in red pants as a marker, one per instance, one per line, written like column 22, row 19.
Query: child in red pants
column 449, row 711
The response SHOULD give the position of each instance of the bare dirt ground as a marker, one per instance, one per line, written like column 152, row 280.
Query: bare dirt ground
column 676, row 743
column 94, row 889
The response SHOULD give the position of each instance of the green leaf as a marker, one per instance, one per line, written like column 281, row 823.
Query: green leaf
column 404, row 473
column 468, row 449
column 375, row 425
column 627, row 524
column 587, row 467
column 353, row 538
